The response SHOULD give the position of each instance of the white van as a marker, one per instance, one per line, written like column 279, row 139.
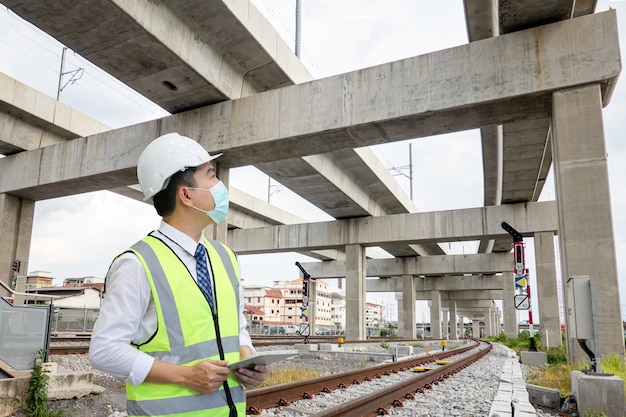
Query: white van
column 291, row 329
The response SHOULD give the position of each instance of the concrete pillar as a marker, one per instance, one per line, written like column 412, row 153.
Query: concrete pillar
column 16, row 226
column 547, row 293
column 476, row 328
column 407, row 313
column 355, row 292
column 446, row 323
column 454, row 323
column 435, row 315
column 461, row 324
column 496, row 321
column 586, row 237
column 489, row 325
column 508, row 305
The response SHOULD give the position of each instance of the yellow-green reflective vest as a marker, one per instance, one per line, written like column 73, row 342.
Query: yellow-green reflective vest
column 187, row 333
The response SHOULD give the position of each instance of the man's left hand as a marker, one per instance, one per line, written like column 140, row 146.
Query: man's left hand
column 252, row 378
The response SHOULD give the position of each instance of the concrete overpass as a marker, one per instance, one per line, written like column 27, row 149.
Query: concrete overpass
column 562, row 72
column 247, row 57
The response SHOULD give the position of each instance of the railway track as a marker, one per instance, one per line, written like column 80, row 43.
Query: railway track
column 403, row 384
column 66, row 345
column 364, row 392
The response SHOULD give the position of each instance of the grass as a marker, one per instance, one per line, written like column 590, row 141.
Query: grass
column 555, row 376
column 285, row 376
column 556, row 373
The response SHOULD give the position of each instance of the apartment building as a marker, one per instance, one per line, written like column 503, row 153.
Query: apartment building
column 282, row 303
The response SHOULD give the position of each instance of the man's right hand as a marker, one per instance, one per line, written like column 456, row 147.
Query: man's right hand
column 204, row 377
column 207, row 376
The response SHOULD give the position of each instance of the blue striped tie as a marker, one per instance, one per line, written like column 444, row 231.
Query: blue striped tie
column 203, row 274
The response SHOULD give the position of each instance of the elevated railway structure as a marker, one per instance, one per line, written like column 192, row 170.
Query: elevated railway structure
column 533, row 77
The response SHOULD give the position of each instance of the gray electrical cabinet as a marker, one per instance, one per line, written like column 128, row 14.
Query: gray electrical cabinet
column 580, row 308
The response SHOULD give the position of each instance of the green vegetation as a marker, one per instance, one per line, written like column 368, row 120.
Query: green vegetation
column 384, row 345
column 556, row 373
column 36, row 404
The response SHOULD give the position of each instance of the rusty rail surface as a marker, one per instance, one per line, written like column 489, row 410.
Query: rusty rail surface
column 284, row 394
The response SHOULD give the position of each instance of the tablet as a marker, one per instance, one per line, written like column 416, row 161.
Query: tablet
column 262, row 358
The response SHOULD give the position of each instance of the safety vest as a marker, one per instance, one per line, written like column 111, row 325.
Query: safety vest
column 188, row 331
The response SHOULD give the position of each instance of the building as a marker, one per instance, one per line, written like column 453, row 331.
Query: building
column 89, row 281
column 39, row 279
column 267, row 300
column 338, row 309
column 282, row 303
column 293, row 294
column 373, row 314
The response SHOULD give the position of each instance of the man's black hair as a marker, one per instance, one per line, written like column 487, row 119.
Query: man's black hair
column 165, row 200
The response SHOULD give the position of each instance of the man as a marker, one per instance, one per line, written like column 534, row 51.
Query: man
column 171, row 319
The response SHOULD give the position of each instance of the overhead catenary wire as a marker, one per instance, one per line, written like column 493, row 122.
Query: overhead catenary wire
column 54, row 50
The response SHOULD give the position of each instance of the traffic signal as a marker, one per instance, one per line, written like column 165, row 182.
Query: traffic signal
column 16, row 265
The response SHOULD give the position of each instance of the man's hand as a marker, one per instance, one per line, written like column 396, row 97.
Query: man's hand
column 204, row 377
column 252, row 378
column 207, row 376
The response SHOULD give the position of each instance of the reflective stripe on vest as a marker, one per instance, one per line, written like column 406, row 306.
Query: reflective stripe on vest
column 186, row 333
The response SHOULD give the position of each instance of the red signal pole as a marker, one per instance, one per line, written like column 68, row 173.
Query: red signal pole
column 520, row 273
column 305, row 329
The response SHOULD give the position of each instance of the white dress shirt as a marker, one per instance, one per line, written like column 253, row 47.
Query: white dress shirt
column 128, row 314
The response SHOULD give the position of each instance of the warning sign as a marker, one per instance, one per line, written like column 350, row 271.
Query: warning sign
column 522, row 302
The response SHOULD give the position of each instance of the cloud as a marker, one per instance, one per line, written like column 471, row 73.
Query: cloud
column 80, row 235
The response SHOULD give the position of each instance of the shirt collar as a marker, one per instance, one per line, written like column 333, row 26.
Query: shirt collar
column 181, row 239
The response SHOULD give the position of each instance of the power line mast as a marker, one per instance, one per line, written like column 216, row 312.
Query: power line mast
column 400, row 171
column 75, row 75
column 298, row 22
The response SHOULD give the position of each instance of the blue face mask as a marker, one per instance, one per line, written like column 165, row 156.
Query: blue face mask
column 220, row 196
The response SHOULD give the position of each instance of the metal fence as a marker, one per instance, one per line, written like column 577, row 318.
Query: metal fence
column 24, row 331
column 73, row 319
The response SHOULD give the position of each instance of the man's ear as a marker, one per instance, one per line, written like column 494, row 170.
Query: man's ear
column 184, row 196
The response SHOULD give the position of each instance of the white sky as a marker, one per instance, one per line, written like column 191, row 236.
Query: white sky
column 79, row 235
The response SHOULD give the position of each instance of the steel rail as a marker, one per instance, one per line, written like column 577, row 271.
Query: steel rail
column 69, row 350
column 394, row 395
column 284, row 394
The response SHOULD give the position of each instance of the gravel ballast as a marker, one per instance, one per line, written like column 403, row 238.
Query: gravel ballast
column 469, row 393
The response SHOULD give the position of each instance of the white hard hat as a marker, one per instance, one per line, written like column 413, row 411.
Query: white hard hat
column 165, row 156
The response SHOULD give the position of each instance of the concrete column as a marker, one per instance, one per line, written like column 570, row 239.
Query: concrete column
column 16, row 226
column 547, row 293
column 489, row 322
column 408, row 307
column 508, row 305
column 586, row 238
column 475, row 328
column 435, row 315
column 454, row 323
column 355, row 292
column 446, row 324
column 460, row 326
column 496, row 321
